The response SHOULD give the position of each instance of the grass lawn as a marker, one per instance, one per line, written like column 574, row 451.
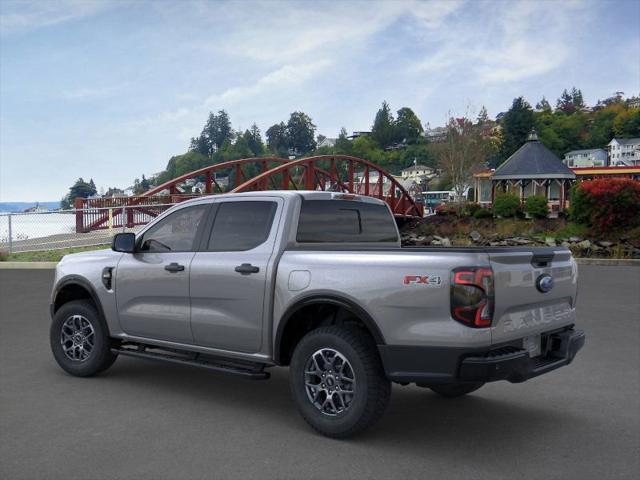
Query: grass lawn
column 46, row 255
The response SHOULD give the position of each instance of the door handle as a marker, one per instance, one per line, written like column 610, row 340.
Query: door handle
column 247, row 269
column 174, row 267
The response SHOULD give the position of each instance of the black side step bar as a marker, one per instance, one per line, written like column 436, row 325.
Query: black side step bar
column 244, row 370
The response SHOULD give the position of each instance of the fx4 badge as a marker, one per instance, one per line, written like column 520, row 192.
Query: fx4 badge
column 423, row 280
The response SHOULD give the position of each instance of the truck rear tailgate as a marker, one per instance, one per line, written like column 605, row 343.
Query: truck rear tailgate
column 535, row 292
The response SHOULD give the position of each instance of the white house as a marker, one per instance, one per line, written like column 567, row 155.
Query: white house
column 417, row 172
column 327, row 142
column 624, row 152
column 593, row 157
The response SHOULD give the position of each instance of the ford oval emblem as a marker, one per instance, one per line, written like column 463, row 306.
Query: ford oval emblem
column 544, row 283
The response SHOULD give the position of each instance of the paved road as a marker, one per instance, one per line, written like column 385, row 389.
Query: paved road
column 150, row 421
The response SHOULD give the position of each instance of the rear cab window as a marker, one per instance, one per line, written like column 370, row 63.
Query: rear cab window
column 345, row 221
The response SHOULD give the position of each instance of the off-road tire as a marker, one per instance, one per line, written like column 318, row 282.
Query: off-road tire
column 372, row 388
column 453, row 390
column 100, row 358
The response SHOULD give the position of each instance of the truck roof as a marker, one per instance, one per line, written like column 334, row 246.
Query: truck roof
column 306, row 194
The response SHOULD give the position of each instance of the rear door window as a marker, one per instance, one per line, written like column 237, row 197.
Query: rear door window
column 341, row 221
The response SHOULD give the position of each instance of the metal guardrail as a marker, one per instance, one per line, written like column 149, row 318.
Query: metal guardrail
column 51, row 230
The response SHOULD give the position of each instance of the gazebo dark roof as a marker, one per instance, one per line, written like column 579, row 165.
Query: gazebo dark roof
column 532, row 160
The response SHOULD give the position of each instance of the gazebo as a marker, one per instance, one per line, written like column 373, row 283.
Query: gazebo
column 532, row 170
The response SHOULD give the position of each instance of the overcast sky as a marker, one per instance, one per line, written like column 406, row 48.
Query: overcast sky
column 111, row 90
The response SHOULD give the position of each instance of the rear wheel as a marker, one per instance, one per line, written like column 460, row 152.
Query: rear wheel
column 338, row 382
column 452, row 390
column 80, row 340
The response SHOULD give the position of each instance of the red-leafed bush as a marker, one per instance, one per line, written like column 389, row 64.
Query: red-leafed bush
column 607, row 204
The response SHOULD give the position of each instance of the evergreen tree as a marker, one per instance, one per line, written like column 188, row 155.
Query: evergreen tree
column 543, row 106
column 565, row 103
column 343, row 144
column 216, row 131
column 517, row 123
column 382, row 130
column 483, row 116
column 576, row 99
column 253, row 138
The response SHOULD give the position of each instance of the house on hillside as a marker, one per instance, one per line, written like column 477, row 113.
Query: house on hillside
column 593, row 157
column 327, row 142
column 532, row 170
column 624, row 152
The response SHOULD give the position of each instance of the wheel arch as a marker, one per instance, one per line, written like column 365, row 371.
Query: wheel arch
column 286, row 326
column 73, row 288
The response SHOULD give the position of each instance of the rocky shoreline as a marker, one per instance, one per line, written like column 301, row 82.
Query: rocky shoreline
column 581, row 247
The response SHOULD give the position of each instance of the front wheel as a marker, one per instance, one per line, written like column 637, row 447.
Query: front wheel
column 80, row 340
column 338, row 382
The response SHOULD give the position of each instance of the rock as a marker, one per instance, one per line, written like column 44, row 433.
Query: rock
column 565, row 244
column 446, row 242
column 436, row 242
column 475, row 236
column 605, row 244
column 550, row 241
column 585, row 244
column 575, row 239
column 522, row 241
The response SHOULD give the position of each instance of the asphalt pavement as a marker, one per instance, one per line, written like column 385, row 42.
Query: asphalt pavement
column 148, row 420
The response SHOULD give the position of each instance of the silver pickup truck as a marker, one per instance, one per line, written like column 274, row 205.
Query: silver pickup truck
column 319, row 282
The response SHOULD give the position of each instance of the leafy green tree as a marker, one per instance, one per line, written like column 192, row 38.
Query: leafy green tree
column 408, row 126
column 301, row 133
column 367, row 148
column 383, row 130
column 627, row 124
column 80, row 189
column 277, row 139
column 517, row 123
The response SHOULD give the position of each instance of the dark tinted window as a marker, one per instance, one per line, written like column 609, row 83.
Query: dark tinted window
column 241, row 226
column 176, row 232
column 345, row 221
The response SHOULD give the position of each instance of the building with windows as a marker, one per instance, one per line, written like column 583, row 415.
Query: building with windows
column 624, row 152
column 417, row 172
column 532, row 170
column 593, row 157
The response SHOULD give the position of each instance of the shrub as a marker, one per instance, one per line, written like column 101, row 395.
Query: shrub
column 606, row 203
column 469, row 209
column 536, row 206
column 483, row 213
column 506, row 205
column 446, row 209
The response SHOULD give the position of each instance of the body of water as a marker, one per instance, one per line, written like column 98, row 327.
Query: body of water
column 35, row 225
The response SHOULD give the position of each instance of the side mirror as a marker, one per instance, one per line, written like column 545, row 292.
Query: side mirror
column 124, row 242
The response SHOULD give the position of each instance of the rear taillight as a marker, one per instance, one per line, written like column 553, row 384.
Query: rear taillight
column 472, row 296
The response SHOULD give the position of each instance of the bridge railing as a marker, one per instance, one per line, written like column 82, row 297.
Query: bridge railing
column 104, row 213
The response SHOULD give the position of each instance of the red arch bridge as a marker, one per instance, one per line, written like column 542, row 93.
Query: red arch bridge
column 337, row 173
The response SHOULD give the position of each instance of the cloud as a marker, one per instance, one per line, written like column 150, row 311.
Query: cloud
column 24, row 15
column 284, row 77
column 526, row 40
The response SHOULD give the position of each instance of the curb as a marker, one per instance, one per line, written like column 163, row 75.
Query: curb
column 27, row 265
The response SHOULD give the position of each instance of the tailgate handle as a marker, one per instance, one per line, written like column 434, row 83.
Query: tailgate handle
column 541, row 259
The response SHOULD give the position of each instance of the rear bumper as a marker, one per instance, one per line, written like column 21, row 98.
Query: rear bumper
column 428, row 365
